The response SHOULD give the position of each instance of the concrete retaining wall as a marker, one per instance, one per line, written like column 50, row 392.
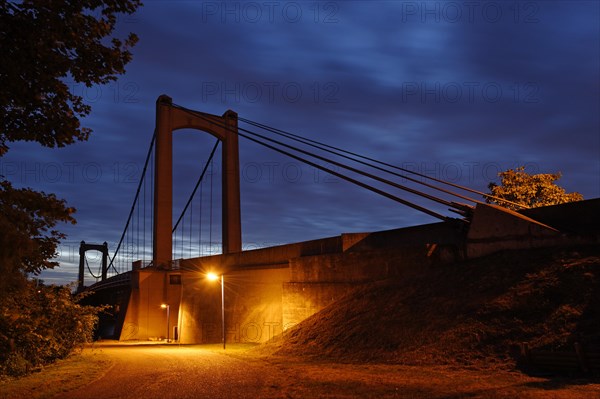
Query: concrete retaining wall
column 253, row 306
column 302, row 300
column 494, row 228
column 582, row 217
column 317, row 281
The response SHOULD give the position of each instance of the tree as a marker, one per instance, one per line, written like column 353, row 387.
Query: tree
column 518, row 186
column 44, row 45
column 27, row 236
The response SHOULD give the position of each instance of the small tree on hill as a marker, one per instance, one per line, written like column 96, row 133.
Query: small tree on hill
column 518, row 186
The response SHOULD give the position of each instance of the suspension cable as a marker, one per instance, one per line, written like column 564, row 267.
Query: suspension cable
column 137, row 194
column 212, row 153
column 144, row 224
column 317, row 143
column 325, row 169
column 338, row 152
column 88, row 267
column 342, row 176
column 200, row 220
column 352, row 169
column 210, row 212
column 191, row 224
column 349, row 179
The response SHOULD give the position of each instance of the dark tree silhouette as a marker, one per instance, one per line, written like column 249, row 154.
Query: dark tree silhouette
column 45, row 42
column 28, row 240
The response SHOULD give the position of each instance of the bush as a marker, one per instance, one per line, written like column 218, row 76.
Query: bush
column 15, row 365
column 40, row 324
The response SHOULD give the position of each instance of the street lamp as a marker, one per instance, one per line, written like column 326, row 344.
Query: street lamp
column 214, row 277
column 165, row 306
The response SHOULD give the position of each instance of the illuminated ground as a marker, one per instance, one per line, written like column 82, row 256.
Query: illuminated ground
column 157, row 371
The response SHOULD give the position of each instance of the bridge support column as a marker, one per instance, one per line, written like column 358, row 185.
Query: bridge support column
column 104, row 260
column 232, row 225
column 163, row 185
column 81, row 266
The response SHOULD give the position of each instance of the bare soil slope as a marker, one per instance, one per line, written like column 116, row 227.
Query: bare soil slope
column 464, row 313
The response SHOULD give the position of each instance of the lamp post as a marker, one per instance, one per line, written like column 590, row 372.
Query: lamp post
column 214, row 277
column 165, row 306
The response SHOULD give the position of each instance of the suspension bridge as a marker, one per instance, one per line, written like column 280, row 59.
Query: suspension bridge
column 152, row 241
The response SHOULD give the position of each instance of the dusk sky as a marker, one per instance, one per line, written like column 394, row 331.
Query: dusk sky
column 455, row 90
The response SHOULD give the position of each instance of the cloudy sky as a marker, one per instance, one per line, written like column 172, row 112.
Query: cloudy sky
column 455, row 90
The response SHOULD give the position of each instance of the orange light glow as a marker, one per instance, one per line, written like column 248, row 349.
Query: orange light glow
column 212, row 276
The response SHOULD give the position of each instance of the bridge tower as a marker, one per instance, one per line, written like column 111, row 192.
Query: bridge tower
column 168, row 119
column 83, row 247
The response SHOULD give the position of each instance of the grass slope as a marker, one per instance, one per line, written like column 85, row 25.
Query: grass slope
column 59, row 377
column 464, row 313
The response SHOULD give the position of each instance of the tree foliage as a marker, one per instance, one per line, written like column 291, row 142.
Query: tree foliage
column 520, row 187
column 41, row 325
column 43, row 44
column 28, row 240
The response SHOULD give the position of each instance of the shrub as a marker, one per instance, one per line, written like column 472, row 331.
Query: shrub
column 40, row 324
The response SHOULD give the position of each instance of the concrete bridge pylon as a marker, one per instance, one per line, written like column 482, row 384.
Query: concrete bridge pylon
column 168, row 119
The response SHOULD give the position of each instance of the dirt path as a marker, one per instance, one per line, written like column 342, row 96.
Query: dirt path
column 164, row 372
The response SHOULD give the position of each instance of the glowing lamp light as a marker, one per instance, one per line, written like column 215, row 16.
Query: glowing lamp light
column 214, row 277
column 166, row 306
